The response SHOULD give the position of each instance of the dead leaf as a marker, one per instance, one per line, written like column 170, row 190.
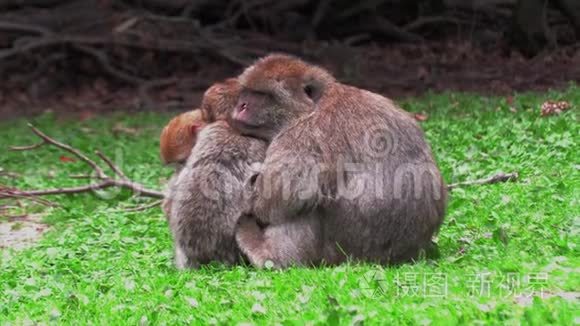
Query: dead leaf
column 86, row 115
column 66, row 159
column 555, row 107
column 121, row 128
column 509, row 100
column 86, row 130
column 421, row 117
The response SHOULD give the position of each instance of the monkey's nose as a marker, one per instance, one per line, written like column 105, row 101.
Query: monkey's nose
column 241, row 113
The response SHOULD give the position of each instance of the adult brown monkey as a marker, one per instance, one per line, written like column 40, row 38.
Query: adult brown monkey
column 347, row 173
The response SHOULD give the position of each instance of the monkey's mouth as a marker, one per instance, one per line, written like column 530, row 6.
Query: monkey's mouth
column 243, row 119
column 243, row 124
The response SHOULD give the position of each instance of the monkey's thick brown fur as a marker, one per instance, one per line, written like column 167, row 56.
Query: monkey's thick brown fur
column 205, row 194
column 347, row 174
column 219, row 100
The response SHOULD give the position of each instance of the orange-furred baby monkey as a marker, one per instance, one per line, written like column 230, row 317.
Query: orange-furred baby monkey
column 180, row 134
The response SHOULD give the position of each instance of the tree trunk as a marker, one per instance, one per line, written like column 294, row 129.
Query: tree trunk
column 530, row 30
column 571, row 9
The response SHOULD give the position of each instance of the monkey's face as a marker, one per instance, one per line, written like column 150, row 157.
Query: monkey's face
column 276, row 91
column 263, row 113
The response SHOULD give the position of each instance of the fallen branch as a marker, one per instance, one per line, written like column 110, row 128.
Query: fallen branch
column 500, row 177
column 102, row 58
column 389, row 29
column 424, row 21
column 7, row 193
column 145, row 207
column 146, row 87
column 7, row 174
column 105, row 181
column 28, row 28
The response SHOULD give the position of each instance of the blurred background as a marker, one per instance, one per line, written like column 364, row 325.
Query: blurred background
column 89, row 57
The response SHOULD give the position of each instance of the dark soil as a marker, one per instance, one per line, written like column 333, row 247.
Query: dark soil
column 397, row 71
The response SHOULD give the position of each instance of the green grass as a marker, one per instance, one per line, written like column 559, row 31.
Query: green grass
column 499, row 244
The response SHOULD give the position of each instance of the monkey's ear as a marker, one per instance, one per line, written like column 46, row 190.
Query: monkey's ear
column 194, row 128
column 253, row 178
column 313, row 91
column 206, row 113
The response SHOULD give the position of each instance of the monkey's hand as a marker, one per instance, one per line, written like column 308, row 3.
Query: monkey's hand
column 283, row 190
column 166, row 207
column 250, row 238
column 295, row 243
column 249, row 196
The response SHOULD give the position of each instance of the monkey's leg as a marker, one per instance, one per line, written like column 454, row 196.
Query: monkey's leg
column 297, row 242
column 180, row 258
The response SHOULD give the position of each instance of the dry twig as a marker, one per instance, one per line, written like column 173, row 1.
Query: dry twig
column 144, row 207
column 500, row 177
column 7, row 174
column 7, row 193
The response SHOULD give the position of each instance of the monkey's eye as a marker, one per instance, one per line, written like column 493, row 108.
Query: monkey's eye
column 309, row 91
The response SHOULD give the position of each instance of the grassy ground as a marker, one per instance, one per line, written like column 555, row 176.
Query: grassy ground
column 509, row 251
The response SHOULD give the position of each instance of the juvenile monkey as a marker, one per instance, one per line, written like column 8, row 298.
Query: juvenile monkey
column 346, row 174
column 205, row 196
column 180, row 134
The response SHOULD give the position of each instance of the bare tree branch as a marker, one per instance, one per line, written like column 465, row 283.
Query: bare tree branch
column 111, row 165
column 65, row 147
column 102, row 58
column 140, row 208
column 146, row 87
column 423, row 21
column 27, row 147
column 105, row 181
column 4, row 25
column 9, row 193
column 500, row 177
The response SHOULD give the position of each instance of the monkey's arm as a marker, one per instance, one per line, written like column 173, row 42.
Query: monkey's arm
column 287, row 186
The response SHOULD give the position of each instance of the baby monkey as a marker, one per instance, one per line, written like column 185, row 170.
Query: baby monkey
column 204, row 195
column 180, row 134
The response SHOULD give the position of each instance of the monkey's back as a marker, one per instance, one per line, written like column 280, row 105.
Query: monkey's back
column 207, row 195
column 404, row 197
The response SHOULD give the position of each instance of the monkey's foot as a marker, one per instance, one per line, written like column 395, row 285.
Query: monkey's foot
column 180, row 259
column 248, row 233
column 250, row 239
